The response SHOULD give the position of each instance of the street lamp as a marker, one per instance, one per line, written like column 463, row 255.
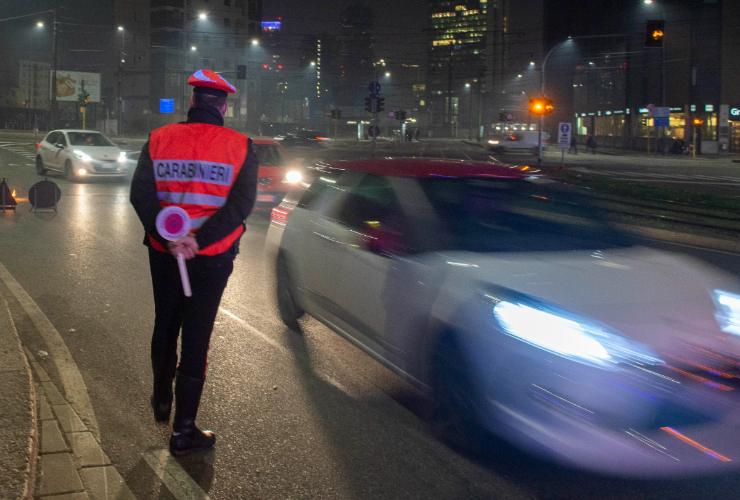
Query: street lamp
column 647, row 2
column 255, row 42
column 202, row 16
column 193, row 48
column 387, row 74
column 312, row 64
column 120, row 28
column 40, row 24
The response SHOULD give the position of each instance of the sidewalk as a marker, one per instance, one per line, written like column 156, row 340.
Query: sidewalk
column 46, row 451
column 18, row 437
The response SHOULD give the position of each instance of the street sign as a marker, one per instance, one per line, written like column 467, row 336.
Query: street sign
column 659, row 111
column 374, row 88
column 661, row 121
column 166, row 106
column 565, row 129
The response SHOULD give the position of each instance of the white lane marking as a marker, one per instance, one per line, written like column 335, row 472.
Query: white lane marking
column 173, row 476
column 73, row 384
column 250, row 328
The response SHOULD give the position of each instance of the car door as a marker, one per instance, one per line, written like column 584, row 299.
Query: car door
column 59, row 153
column 315, row 245
column 48, row 149
column 373, row 235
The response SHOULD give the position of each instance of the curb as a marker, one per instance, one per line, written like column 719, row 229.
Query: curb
column 12, row 347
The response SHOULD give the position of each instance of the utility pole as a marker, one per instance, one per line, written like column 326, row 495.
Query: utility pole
column 54, row 52
column 449, row 90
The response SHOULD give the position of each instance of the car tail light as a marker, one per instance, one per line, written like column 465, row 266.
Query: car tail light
column 38, row 146
column 321, row 138
column 279, row 215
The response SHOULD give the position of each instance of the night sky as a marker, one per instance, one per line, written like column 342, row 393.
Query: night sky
column 399, row 24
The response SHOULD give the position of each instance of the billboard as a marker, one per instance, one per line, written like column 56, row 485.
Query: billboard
column 71, row 83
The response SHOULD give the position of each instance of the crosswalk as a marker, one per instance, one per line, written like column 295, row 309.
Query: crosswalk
column 624, row 175
column 26, row 150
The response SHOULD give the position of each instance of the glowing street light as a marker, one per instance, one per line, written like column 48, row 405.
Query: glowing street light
column 312, row 64
column 120, row 28
column 193, row 48
column 647, row 2
column 40, row 24
column 202, row 16
column 467, row 85
column 255, row 42
column 387, row 74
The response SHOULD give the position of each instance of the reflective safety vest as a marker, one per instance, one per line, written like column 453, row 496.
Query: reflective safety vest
column 195, row 167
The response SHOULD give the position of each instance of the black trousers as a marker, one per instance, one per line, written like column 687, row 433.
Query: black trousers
column 193, row 315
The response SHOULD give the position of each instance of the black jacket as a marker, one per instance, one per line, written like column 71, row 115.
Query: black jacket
column 238, row 204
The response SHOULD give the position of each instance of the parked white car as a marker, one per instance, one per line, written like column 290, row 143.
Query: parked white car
column 80, row 154
column 509, row 301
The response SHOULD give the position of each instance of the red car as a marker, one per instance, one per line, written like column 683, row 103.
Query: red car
column 276, row 174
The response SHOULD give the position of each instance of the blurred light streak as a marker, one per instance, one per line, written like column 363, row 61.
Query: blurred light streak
column 703, row 380
column 682, row 437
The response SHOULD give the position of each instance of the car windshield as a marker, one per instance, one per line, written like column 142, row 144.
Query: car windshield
column 514, row 216
column 88, row 139
column 268, row 155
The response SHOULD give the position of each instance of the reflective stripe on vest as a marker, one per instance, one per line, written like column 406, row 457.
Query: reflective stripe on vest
column 195, row 167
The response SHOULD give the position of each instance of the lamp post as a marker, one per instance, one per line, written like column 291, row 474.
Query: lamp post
column 121, row 61
column 41, row 25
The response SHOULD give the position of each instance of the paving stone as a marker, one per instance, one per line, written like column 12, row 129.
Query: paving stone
column 58, row 474
column 87, row 450
column 68, row 496
column 52, row 393
column 52, row 440
column 44, row 407
column 68, row 419
column 104, row 483
column 39, row 372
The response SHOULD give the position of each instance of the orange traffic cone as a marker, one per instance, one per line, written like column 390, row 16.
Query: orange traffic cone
column 7, row 200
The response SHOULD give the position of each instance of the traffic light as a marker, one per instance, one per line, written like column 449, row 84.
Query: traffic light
column 654, row 33
column 241, row 72
column 381, row 104
column 368, row 105
column 541, row 106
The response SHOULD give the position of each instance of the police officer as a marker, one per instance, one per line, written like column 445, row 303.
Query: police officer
column 211, row 172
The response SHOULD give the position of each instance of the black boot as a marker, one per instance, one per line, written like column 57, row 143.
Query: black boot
column 186, row 437
column 161, row 399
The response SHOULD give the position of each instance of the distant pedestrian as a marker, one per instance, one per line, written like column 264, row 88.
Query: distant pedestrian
column 210, row 172
column 591, row 144
column 573, row 145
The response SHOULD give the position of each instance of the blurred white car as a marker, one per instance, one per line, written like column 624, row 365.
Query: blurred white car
column 509, row 301
column 80, row 154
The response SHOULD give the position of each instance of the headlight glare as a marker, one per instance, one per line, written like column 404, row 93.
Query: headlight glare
column 122, row 157
column 293, row 177
column 728, row 311
column 568, row 335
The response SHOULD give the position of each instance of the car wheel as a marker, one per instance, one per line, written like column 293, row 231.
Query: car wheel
column 40, row 168
column 456, row 402
column 68, row 170
column 288, row 309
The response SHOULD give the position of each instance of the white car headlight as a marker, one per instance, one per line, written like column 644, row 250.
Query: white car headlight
column 81, row 155
column 493, row 142
column 122, row 157
column 293, row 177
column 728, row 311
column 567, row 335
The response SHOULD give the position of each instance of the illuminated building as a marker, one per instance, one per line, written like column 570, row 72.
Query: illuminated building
column 457, row 55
